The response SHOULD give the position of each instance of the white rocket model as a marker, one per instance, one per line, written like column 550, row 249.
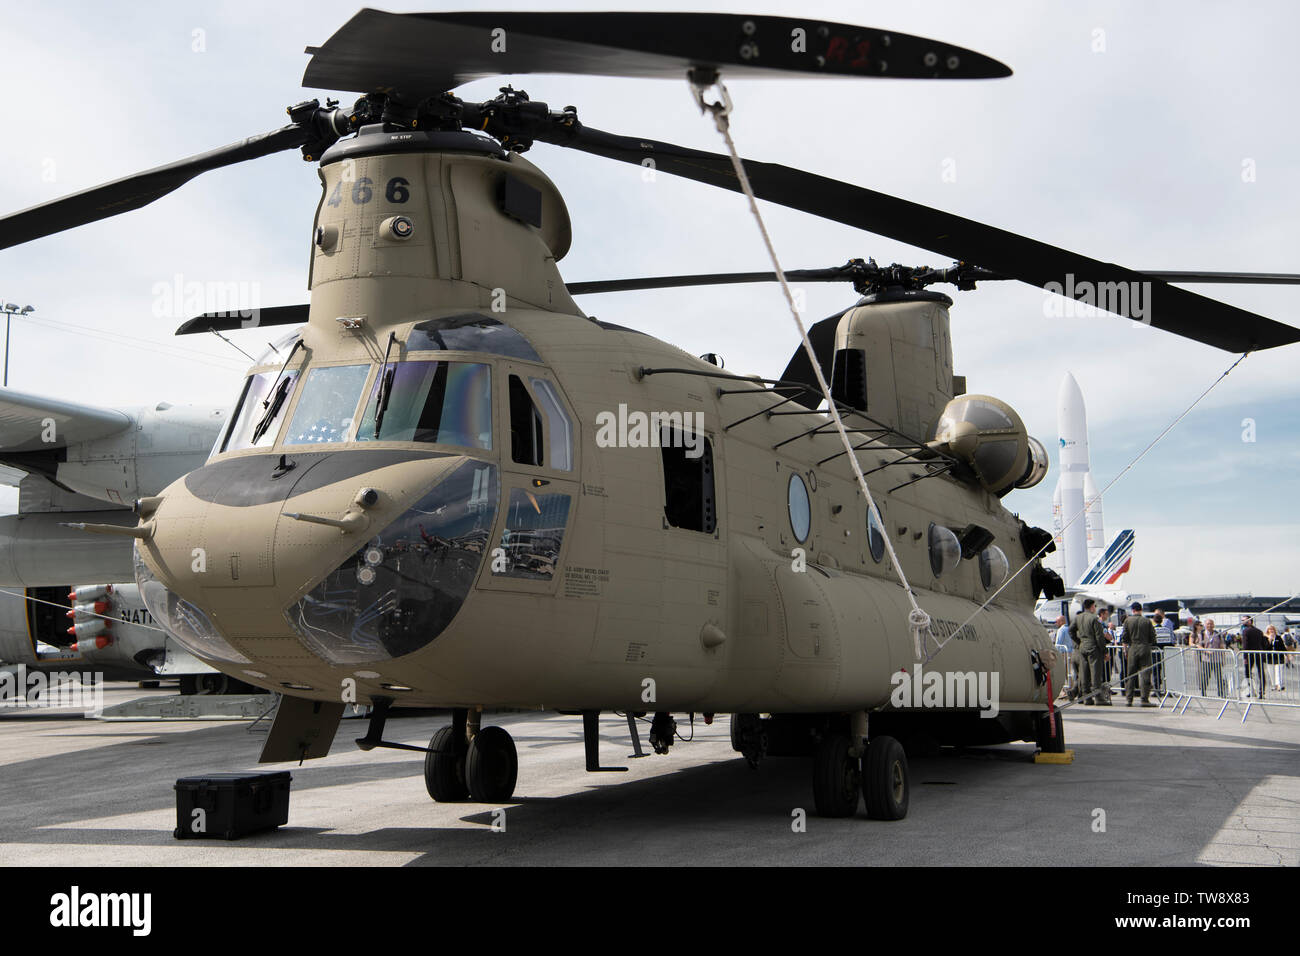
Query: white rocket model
column 1082, row 539
column 1096, row 528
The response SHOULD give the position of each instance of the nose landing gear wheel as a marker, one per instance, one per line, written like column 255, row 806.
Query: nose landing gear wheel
column 886, row 783
column 491, row 766
column 836, row 777
column 444, row 767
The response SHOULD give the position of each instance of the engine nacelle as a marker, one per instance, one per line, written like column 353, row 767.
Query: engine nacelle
column 990, row 438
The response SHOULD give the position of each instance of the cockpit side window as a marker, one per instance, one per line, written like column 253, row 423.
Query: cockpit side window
column 559, row 424
column 448, row 403
column 525, row 426
column 256, row 404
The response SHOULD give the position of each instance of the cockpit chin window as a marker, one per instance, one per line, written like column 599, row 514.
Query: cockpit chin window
column 403, row 587
column 185, row 623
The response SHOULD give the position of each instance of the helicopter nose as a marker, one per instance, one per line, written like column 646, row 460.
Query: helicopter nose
column 361, row 557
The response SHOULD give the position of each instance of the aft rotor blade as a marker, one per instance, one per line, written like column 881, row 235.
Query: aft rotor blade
column 1227, row 278
column 140, row 189
column 598, row 286
column 822, row 336
column 1143, row 297
column 425, row 54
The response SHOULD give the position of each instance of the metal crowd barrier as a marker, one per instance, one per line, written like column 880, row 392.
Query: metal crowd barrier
column 1249, row 678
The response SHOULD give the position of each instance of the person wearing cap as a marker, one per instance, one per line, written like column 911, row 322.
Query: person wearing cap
column 1252, row 639
column 1140, row 635
column 1092, row 653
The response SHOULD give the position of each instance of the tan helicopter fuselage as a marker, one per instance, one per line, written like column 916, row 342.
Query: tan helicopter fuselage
column 574, row 584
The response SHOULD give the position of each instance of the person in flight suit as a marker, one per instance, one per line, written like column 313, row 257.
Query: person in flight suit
column 1140, row 635
column 1092, row 650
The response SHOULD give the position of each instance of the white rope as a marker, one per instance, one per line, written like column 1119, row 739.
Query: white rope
column 918, row 620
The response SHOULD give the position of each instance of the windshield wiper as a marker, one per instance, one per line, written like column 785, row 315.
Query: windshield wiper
column 385, row 386
column 276, row 396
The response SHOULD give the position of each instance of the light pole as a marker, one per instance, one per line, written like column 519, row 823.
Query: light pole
column 10, row 310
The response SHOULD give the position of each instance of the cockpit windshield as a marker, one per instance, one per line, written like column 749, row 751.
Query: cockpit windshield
column 258, row 404
column 329, row 402
column 445, row 402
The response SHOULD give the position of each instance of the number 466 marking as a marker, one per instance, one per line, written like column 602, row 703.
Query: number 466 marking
column 396, row 192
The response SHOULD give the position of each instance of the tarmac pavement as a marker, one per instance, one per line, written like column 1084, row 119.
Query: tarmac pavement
column 1170, row 790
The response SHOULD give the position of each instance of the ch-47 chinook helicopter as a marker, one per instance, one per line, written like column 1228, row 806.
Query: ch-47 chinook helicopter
column 425, row 502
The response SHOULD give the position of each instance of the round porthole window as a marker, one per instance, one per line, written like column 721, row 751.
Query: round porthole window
column 875, row 537
column 945, row 550
column 800, row 510
column 994, row 567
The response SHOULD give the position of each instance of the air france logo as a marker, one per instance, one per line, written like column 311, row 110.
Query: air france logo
column 94, row 910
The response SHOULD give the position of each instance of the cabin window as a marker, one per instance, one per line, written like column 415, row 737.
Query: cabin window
column 329, row 402
column 688, row 481
column 800, row 509
column 525, row 426
column 447, row 403
column 875, row 537
column 994, row 567
column 945, row 550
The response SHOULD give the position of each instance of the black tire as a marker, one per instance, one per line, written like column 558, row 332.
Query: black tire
column 1043, row 733
column 837, row 777
column 735, row 740
column 444, row 769
column 491, row 766
column 189, row 684
column 213, row 684
column 886, row 783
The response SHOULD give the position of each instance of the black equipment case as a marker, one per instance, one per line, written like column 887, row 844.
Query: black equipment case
column 231, row 804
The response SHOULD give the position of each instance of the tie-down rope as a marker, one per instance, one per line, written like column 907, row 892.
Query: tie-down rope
column 917, row 619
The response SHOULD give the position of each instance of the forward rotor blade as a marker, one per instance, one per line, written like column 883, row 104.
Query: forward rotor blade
column 1133, row 294
column 230, row 321
column 425, row 54
column 139, row 189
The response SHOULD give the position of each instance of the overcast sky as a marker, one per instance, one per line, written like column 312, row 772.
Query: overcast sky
column 1123, row 135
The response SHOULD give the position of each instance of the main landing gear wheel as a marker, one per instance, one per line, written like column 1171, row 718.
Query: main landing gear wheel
column 444, row 768
column 836, row 777
column 885, row 780
column 491, row 766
